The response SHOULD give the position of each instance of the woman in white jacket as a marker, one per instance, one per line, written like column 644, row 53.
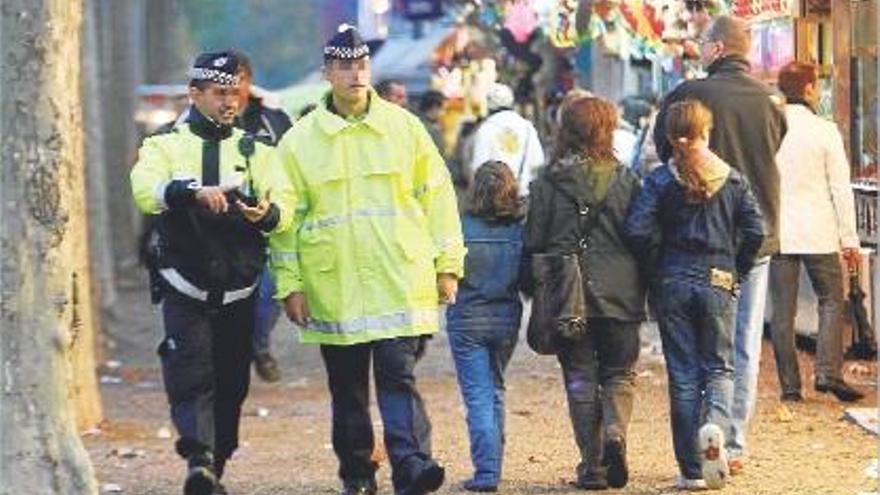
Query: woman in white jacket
column 817, row 225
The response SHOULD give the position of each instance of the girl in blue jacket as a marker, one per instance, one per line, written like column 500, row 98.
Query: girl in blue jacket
column 483, row 324
column 697, row 219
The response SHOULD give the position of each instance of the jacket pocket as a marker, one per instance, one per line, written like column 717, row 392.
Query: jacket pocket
column 379, row 183
column 317, row 251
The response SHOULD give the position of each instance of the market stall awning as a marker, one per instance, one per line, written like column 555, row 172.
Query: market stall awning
column 408, row 59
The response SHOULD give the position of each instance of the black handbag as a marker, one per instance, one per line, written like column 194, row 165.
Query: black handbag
column 559, row 309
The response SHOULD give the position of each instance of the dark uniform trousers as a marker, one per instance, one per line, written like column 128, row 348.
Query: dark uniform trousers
column 407, row 430
column 206, row 356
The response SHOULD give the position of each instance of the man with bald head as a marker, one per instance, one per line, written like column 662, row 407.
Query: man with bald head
column 749, row 125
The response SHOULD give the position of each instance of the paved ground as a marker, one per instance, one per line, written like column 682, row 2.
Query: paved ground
column 807, row 449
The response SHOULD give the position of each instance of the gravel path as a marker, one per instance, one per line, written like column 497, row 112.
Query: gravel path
column 806, row 449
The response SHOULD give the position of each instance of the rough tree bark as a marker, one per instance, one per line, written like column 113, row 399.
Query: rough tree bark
column 44, row 295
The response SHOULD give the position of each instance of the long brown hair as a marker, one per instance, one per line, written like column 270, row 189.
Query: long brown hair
column 687, row 121
column 494, row 194
column 587, row 129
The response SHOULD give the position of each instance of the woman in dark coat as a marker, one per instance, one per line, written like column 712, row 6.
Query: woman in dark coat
column 577, row 205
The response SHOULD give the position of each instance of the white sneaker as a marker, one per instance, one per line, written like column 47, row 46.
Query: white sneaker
column 687, row 484
column 713, row 456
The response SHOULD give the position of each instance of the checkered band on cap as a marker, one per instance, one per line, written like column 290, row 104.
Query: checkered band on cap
column 213, row 75
column 346, row 44
column 346, row 53
column 218, row 67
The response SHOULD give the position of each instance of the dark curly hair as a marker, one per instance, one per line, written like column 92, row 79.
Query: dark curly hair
column 494, row 194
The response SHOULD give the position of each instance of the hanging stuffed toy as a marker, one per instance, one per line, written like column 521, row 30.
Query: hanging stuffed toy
column 520, row 19
column 563, row 24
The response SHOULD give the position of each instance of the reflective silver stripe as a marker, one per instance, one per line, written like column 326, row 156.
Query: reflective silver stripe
column 231, row 296
column 373, row 323
column 284, row 257
column 182, row 285
column 447, row 243
column 326, row 222
column 160, row 195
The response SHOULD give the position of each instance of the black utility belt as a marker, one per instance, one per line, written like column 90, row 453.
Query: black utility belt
column 179, row 283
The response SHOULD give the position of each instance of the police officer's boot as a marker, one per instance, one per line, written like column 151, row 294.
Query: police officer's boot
column 200, row 477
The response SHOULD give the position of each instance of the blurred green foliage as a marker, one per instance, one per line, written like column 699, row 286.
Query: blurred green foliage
column 281, row 37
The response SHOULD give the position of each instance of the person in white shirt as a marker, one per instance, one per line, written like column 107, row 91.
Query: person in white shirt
column 817, row 224
column 507, row 137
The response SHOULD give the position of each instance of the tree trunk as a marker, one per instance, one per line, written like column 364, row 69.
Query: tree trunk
column 120, row 43
column 45, row 309
column 103, row 273
column 166, row 43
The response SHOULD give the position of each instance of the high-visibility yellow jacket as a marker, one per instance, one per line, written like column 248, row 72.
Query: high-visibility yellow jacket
column 178, row 156
column 376, row 220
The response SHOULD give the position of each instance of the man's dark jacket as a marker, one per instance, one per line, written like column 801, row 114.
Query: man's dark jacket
column 265, row 123
column 749, row 124
column 615, row 286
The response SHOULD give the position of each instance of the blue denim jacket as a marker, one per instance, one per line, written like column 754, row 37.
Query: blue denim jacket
column 682, row 238
column 488, row 296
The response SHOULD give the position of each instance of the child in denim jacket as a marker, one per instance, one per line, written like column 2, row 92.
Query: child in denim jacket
column 483, row 324
column 697, row 218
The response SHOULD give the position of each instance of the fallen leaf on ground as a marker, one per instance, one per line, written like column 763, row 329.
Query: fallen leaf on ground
column 784, row 414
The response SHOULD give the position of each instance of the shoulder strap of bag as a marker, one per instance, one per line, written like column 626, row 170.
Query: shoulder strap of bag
column 588, row 216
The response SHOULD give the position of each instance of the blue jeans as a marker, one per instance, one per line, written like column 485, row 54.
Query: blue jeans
column 747, row 360
column 267, row 312
column 696, row 326
column 481, row 356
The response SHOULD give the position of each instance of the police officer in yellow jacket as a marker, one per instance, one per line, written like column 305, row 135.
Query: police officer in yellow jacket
column 375, row 237
column 217, row 197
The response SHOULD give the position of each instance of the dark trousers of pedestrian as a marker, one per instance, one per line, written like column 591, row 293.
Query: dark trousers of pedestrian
column 599, row 380
column 407, row 430
column 825, row 275
column 206, row 356
column 268, row 310
column 696, row 322
column 481, row 353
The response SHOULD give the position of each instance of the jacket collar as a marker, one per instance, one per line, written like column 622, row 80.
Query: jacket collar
column 798, row 105
column 206, row 128
column 728, row 64
column 250, row 120
column 568, row 174
column 332, row 123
